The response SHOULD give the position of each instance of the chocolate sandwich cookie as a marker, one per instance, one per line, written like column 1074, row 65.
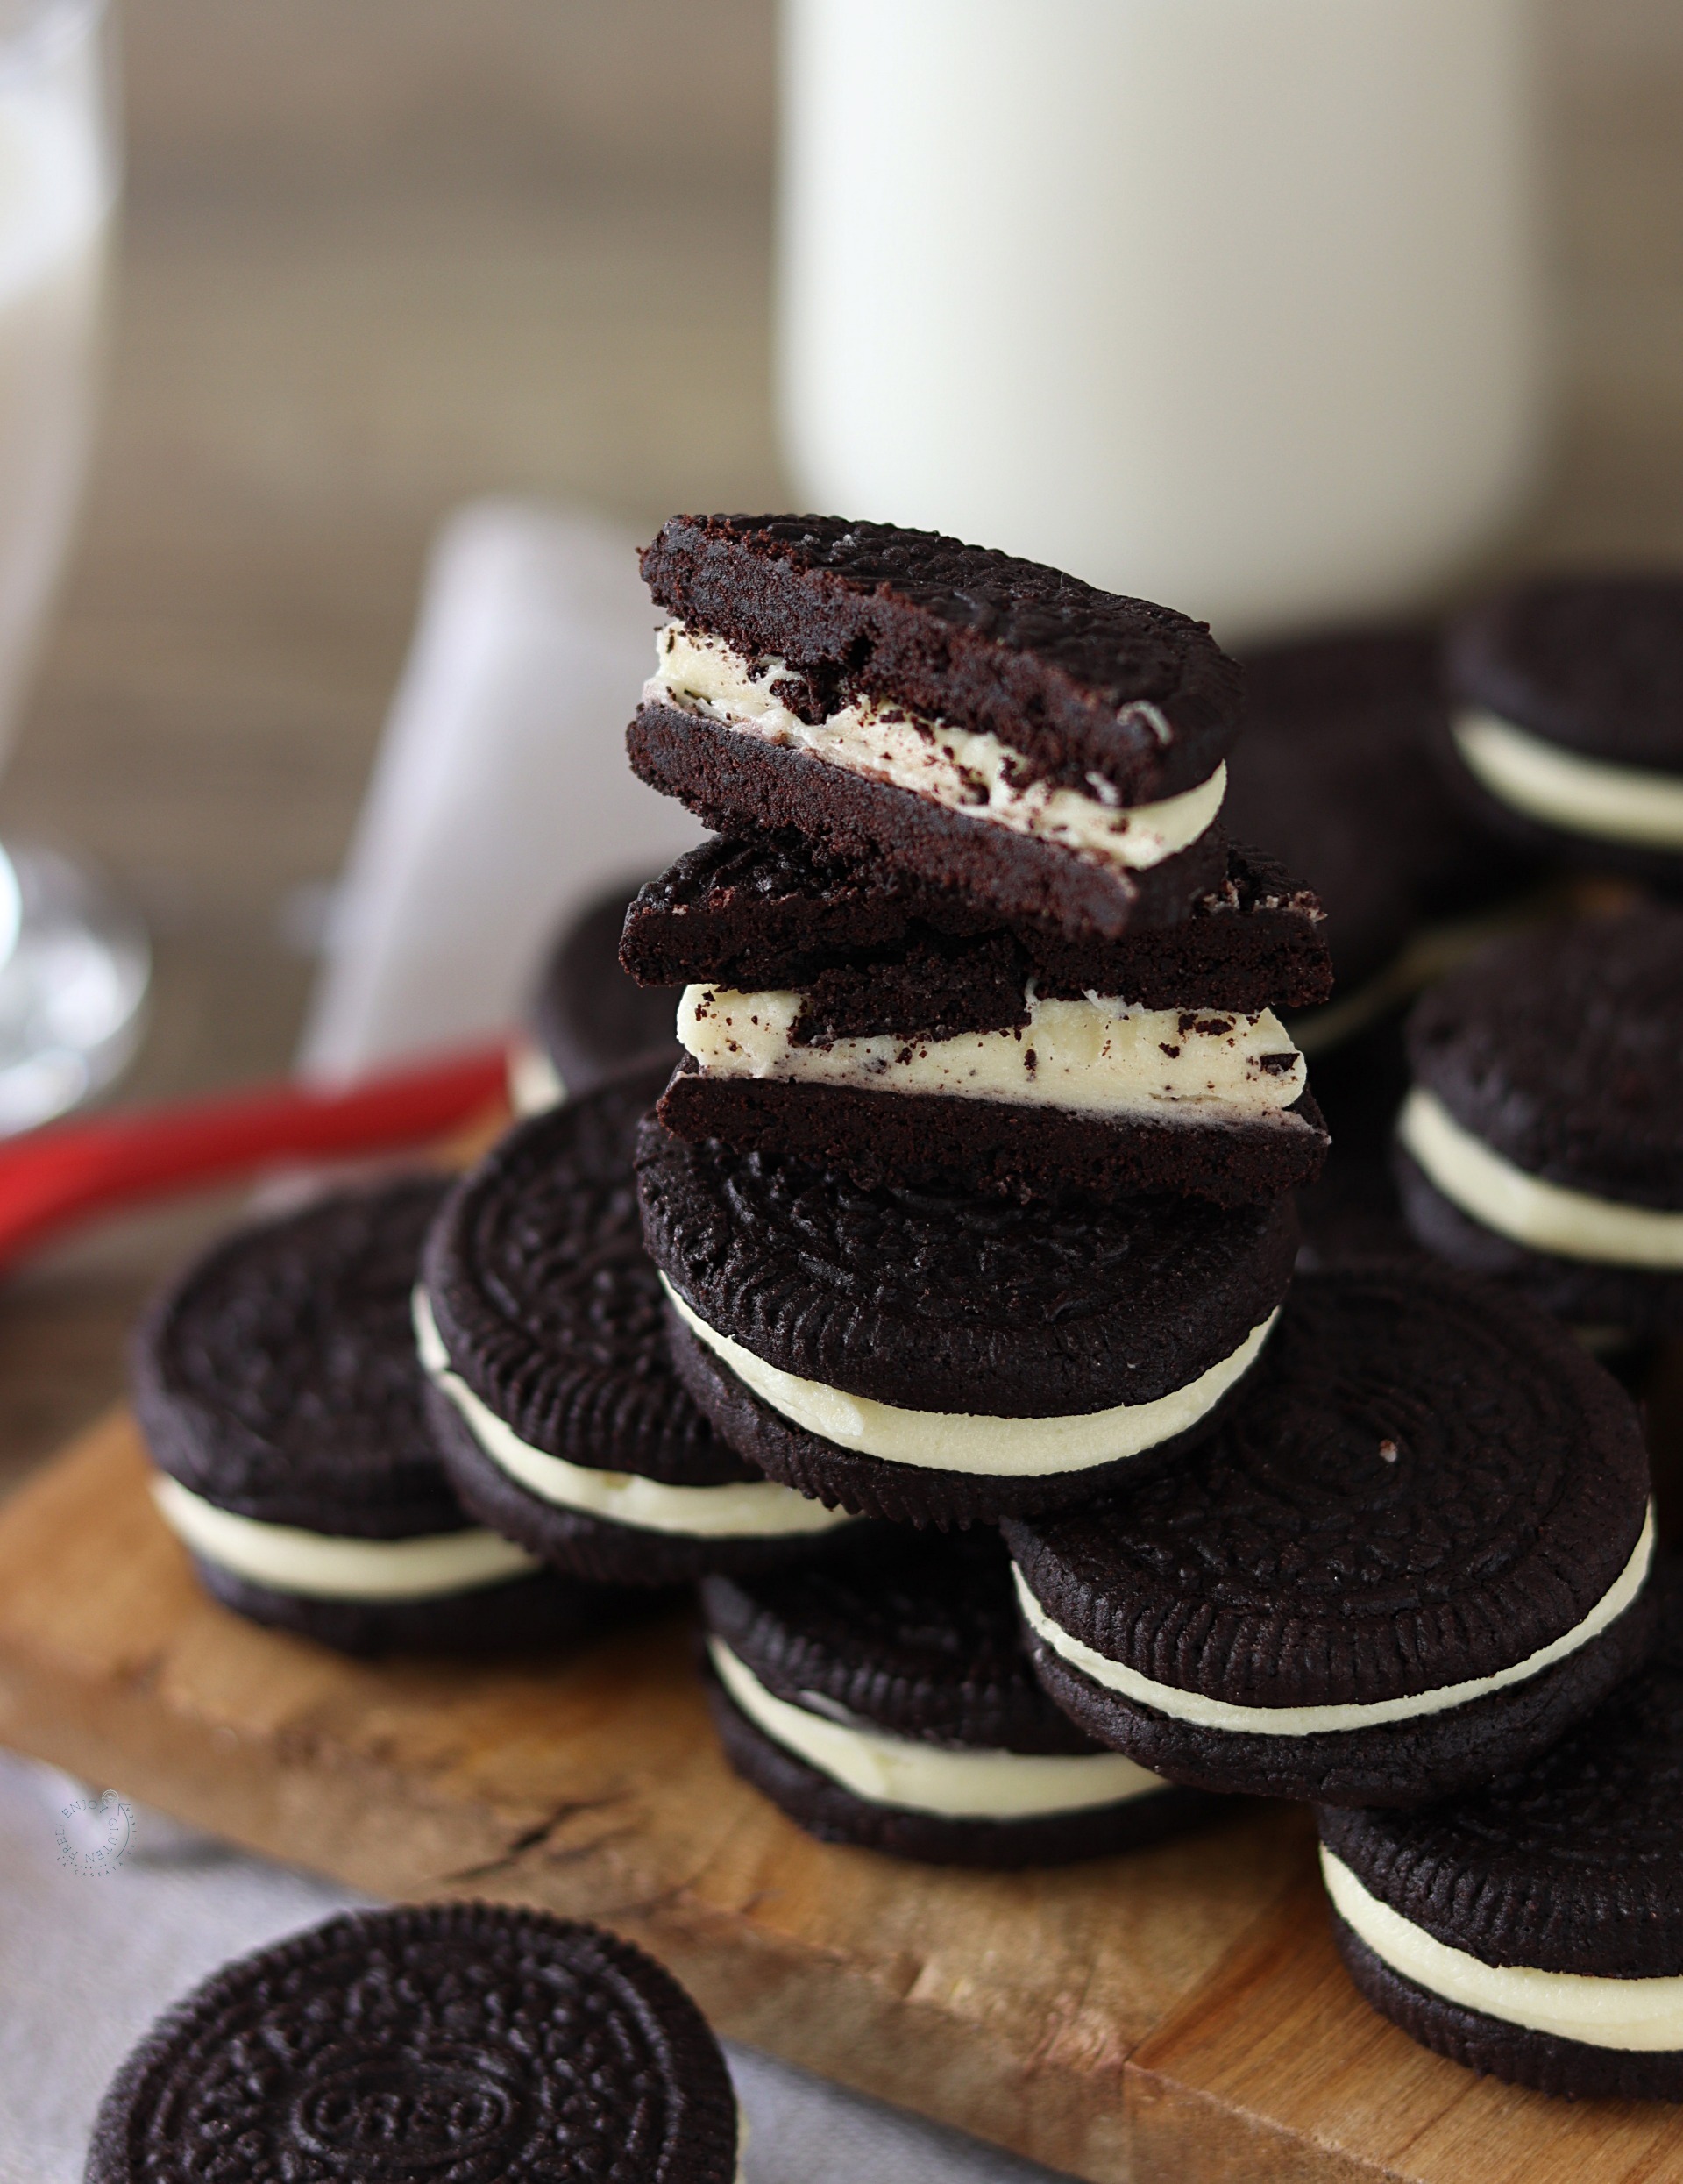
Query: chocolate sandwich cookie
column 1534, row 1928
column 982, row 722
column 588, row 1019
column 885, row 1698
column 1542, row 1142
column 469, row 2042
column 278, row 1390
column 1566, row 727
column 540, row 1325
column 1335, row 773
column 1005, row 1061
column 1412, row 1556
column 937, row 1357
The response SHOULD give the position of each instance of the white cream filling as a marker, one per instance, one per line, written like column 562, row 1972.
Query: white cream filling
column 1091, row 1056
column 1638, row 2016
column 535, row 1084
column 741, row 1508
column 962, row 769
column 1563, row 789
column 1306, row 1721
column 958, row 1441
column 957, row 1784
column 1543, row 1216
column 330, row 1567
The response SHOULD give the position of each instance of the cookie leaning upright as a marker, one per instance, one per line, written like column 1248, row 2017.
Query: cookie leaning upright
column 277, row 1387
column 884, row 1698
column 985, row 723
column 539, row 1320
column 471, row 2042
column 1415, row 1556
column 1542, row 1140
column 1567, row 729
column 1534, row 1929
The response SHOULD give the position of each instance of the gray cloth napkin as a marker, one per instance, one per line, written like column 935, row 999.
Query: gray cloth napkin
column 110, row 1912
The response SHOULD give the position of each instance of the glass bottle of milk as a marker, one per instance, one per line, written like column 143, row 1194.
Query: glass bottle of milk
column 73, row 968
column 1234, row 304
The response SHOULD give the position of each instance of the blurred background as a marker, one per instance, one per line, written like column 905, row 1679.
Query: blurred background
column 379, row 256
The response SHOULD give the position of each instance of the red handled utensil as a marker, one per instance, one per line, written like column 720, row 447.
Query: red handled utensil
column 52, row 1178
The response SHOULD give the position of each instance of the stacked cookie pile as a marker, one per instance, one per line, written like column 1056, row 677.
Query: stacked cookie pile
column 932, row 1314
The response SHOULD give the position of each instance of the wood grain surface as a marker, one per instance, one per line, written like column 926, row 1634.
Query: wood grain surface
column 1177, row 2016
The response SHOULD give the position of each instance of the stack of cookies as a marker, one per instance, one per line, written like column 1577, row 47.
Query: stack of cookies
column 972, row 1192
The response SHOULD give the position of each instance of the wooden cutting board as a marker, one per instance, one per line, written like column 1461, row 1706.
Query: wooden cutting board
column 1177, row 2015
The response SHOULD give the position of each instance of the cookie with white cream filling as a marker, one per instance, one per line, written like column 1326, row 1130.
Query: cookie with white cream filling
column 539, row 1327
column 884, row 1697
column 1533, row 1928
column 1541, row 1142
column 277, row 1387
column 1566, row 727
column 1413, row 1555
column 984, row 722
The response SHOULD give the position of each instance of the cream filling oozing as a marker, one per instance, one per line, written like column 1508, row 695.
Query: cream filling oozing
column 1563, row 789
column 738, row 1509
column 1091, row 1056
column 965, row 770
column 1639, row 2016
column 535, row 1084
column 330, row 1567
column 957, row 1784
column 1306, row 1721
column 956, row 1440
column 1543, row 1216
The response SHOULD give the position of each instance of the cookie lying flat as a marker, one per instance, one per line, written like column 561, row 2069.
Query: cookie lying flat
column 1542, row 1142
column 1567, row 729
column 1412, row 1557
column 277, row 1388
column 561, row 1421
column 1336, row 773
column 757, row 911
column 469, row 2042
column 934, row 1357
column 982, row 722
column 884, row 1697
column 1535, row 1930
column 588, row 1020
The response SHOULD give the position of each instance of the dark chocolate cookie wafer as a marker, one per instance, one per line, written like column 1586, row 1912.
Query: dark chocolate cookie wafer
column 1336, row 774
column 1534, row 1929
column 1413, row 1557
column 885, row 1698
column 554, row 1398
column 588, row 1019
column 1542, row 1140
column 277, row 1387
column 468, row 2042
column 983, row 722
column 876, row 950
column 935, row 1357
column 1567, row 733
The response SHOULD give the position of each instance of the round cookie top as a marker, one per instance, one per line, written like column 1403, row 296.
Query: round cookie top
column 461, row 2043
column 1080, row 682
column 547, row 1305
column 940, row 1300
column 1575, row 1864
column 1593, row 663
column 590, row 1017
column 1562, row 1049
column 1422, row 1483
column 278, row 1377
column 914, row 1633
